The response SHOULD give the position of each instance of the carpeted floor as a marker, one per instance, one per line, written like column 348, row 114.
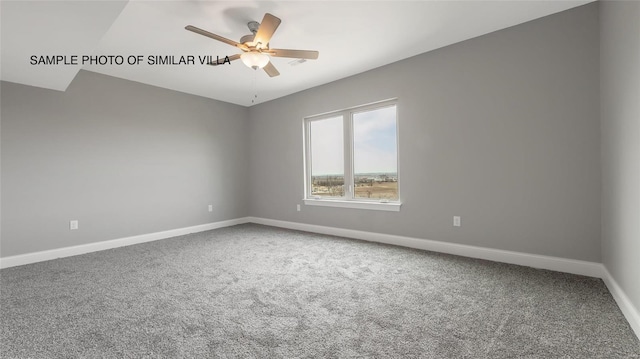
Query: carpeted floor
column 257, row 291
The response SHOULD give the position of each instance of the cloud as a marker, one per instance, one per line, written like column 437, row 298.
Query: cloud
column 327, row 146
column 374, row 143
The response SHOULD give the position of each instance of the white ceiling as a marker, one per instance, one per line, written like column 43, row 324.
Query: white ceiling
column 352, row 37
column 50, row 28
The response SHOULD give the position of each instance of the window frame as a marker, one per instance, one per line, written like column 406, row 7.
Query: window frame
column 349, row 200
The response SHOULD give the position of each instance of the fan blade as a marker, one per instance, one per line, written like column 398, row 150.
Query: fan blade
column 296, row 54
column 267, row 27
column 214, row 36
column 271, row 70
column 222, row 60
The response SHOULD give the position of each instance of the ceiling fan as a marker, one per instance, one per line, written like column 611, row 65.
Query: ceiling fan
column 256, row 46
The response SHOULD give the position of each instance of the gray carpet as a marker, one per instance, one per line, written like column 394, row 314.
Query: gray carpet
column 263, row 292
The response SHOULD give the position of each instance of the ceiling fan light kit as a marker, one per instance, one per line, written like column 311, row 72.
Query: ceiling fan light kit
column 255, row 60
column 256, row 46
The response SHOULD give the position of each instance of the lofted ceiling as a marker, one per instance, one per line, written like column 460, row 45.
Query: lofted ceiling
column 351, row 36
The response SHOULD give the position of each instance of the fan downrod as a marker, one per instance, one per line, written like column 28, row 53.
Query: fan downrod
column 253, row 26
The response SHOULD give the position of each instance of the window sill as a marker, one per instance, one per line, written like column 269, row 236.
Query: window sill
column 376, row 206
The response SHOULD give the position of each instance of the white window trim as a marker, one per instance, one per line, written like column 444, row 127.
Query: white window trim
column 376, row 206
column 348, row 201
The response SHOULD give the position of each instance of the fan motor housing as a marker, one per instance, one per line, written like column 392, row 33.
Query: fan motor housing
column 247, row 38
column 253, row 27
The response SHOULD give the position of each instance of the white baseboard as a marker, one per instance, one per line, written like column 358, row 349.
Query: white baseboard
column 626, row 306
column 591, row 269
column 573, row 266
column 22, row 259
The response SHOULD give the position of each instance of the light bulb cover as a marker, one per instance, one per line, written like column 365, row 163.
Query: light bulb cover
column 255, row 60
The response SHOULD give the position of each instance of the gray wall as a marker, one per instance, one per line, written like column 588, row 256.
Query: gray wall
column 620, row 93
column 502, row 130
column 121, row 157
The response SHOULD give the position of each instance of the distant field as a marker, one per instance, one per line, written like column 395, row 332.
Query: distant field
column 388, row 190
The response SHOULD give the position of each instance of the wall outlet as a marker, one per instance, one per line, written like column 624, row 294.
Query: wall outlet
column 73, row 225
column 456, row 221
column 298, row 207
column 210, row 208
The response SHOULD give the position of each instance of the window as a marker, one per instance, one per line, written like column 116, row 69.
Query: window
column 351, row 158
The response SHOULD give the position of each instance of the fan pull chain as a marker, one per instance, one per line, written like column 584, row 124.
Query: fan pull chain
column 255, row 87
